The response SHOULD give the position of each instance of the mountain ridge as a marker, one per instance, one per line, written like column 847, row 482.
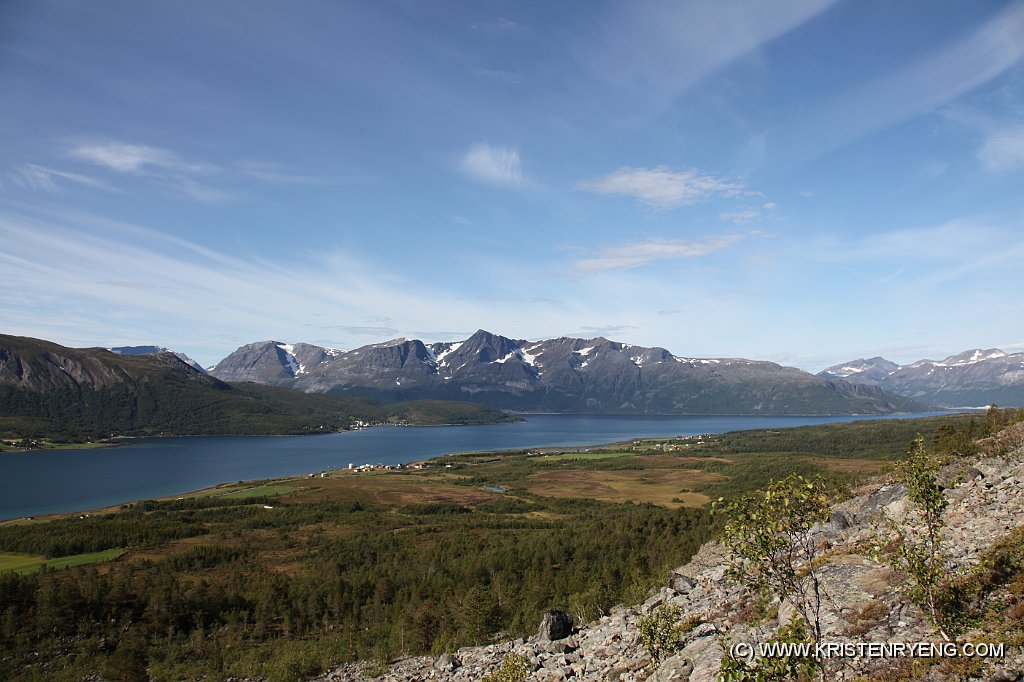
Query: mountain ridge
column 972, row 378
column 564, row 374
column 93, row 392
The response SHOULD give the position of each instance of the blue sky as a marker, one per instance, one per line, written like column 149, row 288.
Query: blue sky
column 804, row 181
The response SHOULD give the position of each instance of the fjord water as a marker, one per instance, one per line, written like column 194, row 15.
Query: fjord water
column 48, row 482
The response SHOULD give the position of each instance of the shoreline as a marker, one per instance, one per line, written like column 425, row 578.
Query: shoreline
column 118, row 441
column 546, row 449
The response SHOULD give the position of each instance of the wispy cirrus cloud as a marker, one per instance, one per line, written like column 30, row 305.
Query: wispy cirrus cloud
column 166, row 170
column 1003, row 149
column 661, row 188
column 934, row 80
column 135, row 158
column 745, row 216
column 196, row 180
column 31, row 176
column 604, row 329
column 657, row 50
column 364, row 330
column 493, row 165
column 924, row 257
column 279, row 175
column 206, row 301
column 633, row 255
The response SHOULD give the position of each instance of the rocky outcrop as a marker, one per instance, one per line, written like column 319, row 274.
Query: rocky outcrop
column 865, row 602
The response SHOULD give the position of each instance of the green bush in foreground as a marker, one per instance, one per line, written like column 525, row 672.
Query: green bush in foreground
column 514, row 668
column 772, row 550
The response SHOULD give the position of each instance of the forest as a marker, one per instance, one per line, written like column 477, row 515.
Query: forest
column 287, row 579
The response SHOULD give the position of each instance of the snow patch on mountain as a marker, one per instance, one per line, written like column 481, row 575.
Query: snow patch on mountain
column 289, row 357
column 440, row 358
column 976, row 355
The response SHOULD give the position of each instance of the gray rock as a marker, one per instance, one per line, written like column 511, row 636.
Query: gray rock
column 1007, row 675
column 675, row 669
column 447, row 663
column 681, row 583
column 841, row 520
column 556, row 625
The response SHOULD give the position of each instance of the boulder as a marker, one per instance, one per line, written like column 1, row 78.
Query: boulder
column 681, row 583
column 447, row 663
column 675, row 669
column 556, row 625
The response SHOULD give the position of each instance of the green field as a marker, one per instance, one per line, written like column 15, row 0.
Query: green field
column 26, row 563
column 583, row 455
column 260, row 491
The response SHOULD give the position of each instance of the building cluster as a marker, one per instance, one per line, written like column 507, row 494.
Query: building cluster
column 379, row 467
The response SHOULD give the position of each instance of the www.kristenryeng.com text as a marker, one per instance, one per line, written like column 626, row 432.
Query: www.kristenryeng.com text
column 825, row 650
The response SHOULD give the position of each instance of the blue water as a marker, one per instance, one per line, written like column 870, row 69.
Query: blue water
column 36, row 483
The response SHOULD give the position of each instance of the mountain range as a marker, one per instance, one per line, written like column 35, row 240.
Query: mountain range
column 53, row 391
column 555, row 375
column 973, row 378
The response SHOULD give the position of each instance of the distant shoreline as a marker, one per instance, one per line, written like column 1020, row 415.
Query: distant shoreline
column 548, row 449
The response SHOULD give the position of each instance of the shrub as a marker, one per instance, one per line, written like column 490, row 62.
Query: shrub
column 514, row 668
column 772, row 548
column 918, row 553
column 661, row 631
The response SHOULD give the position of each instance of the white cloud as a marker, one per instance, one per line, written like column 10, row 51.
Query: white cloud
column 1003, row 149
column 493, row 165
column 641, row 253
column 741, row 217
column 31, row 176
column 168, row 170
column 661, row 188
column 133, row 158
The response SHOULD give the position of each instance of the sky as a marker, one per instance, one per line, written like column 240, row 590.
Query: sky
column 802, row 181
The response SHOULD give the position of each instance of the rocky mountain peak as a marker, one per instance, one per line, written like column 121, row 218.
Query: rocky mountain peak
column 557, row 375
column 969, row 357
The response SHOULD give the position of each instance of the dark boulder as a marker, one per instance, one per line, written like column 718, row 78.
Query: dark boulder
column 556, row 625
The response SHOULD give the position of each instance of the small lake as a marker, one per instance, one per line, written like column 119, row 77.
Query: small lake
column 48, row 482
